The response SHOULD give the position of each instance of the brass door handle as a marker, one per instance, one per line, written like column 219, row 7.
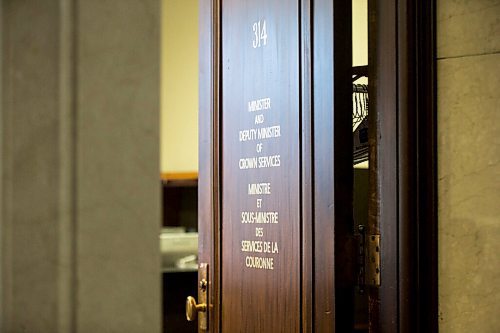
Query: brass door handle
column 192, row 308
column 200, row 311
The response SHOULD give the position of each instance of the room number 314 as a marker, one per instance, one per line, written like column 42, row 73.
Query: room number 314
column 260, row 34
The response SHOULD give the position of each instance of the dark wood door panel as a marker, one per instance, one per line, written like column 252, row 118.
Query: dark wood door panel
column 260, row 167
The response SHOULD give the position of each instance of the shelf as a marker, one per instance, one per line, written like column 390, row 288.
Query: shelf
column 179, row 179
column 179, row 270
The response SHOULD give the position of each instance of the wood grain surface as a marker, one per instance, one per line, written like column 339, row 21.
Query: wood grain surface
column 262, row 68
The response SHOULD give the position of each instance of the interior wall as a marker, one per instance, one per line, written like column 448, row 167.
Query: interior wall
column 360, row 46
column 179, row 86
column 360, row 32
column 469, row 165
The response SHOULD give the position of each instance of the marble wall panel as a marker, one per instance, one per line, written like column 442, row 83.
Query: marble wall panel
column 118, row 167
column 469, row 193
column 467, row 27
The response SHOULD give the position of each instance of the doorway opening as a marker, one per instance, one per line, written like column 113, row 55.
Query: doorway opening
column 361, row 165
column 179, row 160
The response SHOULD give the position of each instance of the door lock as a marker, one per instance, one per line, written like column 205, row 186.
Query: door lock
column 199, row 311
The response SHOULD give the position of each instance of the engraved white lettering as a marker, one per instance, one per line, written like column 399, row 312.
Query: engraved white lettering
column 272, row 161
column 251, row 246
column 269, row 161
column 259, row 188
column 259, row 217
column 259, row 263
column 259, row 104
column 259, row 119
column 248, row 163
column 262, row 133
column 260, row 34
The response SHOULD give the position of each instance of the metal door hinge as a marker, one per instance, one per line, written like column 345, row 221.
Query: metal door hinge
column 368, row 259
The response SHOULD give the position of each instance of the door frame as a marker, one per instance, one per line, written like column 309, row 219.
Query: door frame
column 209, row 155
column 403, row 95
column 402, row 49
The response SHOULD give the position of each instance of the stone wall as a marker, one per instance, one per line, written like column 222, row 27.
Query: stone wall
column 80, row 194
column 469, row 164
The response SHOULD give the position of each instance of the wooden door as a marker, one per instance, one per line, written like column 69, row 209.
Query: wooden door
column 275, row 178
column 260, row 221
